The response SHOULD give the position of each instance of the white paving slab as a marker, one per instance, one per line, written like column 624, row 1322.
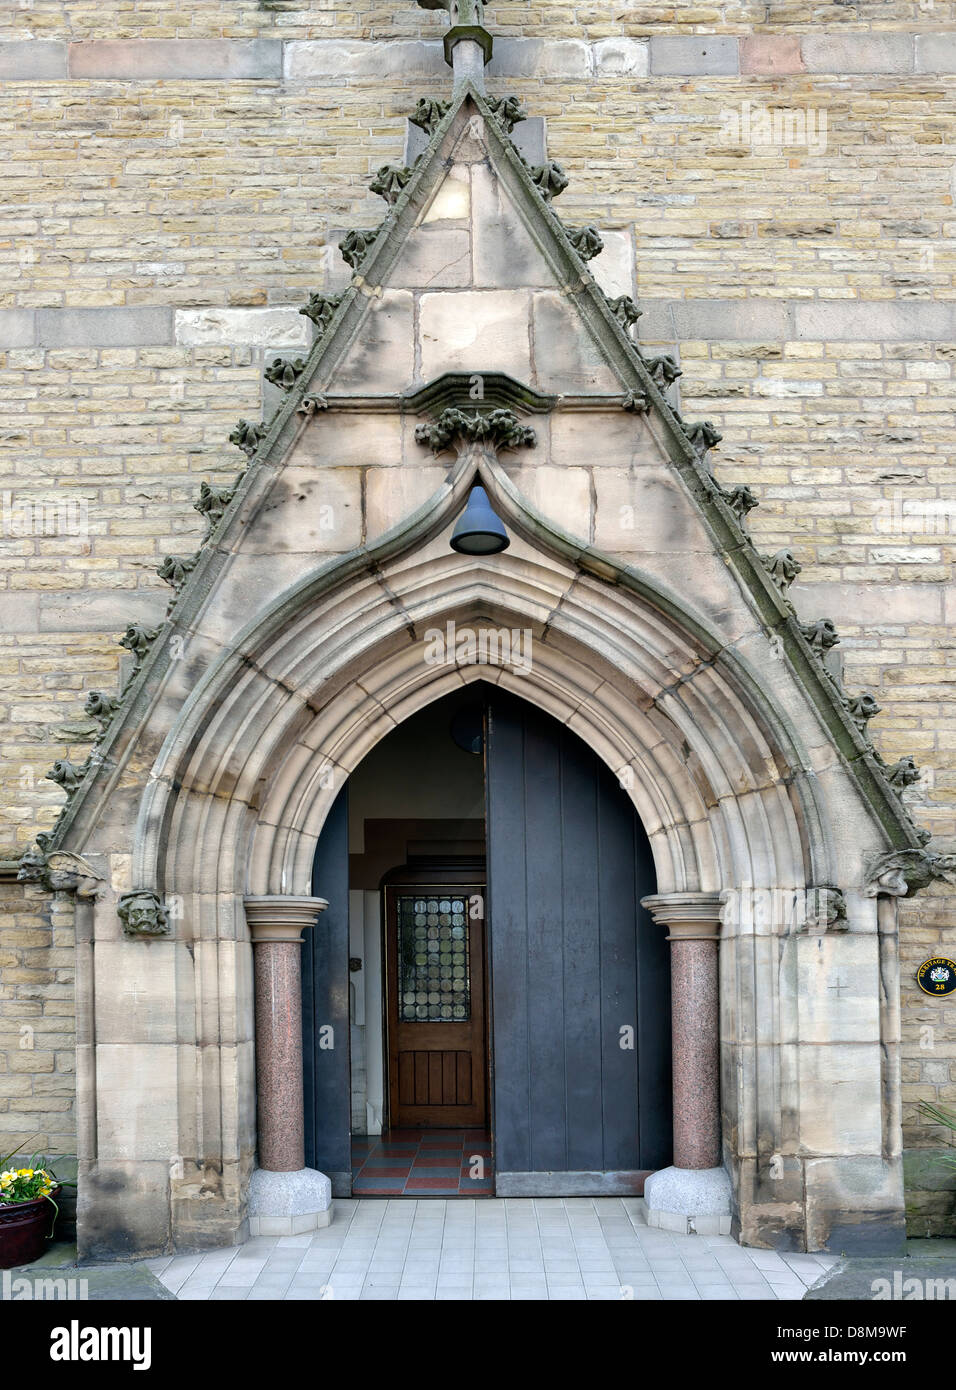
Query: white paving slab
column 523, row 1248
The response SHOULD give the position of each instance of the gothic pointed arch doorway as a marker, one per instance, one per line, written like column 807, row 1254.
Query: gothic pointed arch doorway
column 488, row 815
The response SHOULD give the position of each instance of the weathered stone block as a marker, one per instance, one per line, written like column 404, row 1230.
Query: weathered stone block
column 644, row 511
column 563, row 495
column 874, row 321
column 936, row 53
column 540, row 58
column 96, row 327
column 857, row 53
column 17, row 328
column 475, row 331
column 565, row 356
column 530, row 138
column 680, row 55
column 137, row 1098
column 620, row 57
column 505, row 253
column 434, row 258
column 310, row 510
column 134, row 990
column 323, row 59
column 343, row 439
column 613, row 269
column 279, row 327
column 19, row 612
column 33, row 60
column 394, row 493
column 770, row 53
column 98, row 611
column 149, row 59
column 382, row 356
column 452, row 199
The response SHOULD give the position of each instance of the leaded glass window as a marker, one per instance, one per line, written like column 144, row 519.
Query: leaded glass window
column 434, row 969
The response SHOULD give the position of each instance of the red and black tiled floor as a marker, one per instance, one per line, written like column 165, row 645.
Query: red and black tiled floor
column 422, row 1163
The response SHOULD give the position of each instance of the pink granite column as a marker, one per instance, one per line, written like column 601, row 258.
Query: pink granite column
column 694, row 1043
column 694, row 1193
column 276, row 925
column 693, row 922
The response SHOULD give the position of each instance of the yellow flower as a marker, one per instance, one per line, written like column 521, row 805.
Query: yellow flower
column 24, row 1172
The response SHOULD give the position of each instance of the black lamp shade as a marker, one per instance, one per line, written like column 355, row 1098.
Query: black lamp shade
column 479, row 531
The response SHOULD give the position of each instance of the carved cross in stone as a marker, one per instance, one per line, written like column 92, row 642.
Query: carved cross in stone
column 839, row 986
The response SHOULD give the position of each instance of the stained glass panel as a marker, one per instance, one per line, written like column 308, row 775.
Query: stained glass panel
column 434, row 970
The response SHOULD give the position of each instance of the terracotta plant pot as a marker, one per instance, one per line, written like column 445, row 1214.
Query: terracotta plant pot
column 24, row 1228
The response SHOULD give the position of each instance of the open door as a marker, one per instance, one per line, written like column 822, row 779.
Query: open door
column 580, row 974
column 435, row 1004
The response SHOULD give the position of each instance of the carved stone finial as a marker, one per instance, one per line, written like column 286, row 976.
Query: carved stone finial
column 355, row 246
column 635, row 401
column 822, row 635
column 320, row 309
column 549, row 178
column 508, row 112
column 143, row 914
column 903, row 872
column 702, row 434
column 903, row 773
column 587, row 241
column 66, row 774
column 664, row 369
column 212, row 503
column 389, row 181
column 783, row 568
column 137, row 639
column 624, row 310
column 100, row 706
column 740, row 500
column 500, row 428
column 176, row 569
column 247, row 436
column 284, row 371
column 428, row 113
column 862, row 709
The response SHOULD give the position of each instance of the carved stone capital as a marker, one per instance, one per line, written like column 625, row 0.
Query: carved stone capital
column 281, row 917
column 689, row 916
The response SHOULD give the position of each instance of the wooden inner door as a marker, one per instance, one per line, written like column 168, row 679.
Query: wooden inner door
column 435, row 987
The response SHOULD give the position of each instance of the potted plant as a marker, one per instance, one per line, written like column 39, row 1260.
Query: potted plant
column 28, row 1209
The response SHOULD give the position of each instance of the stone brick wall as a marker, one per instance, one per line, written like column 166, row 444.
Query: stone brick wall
column 171, row 201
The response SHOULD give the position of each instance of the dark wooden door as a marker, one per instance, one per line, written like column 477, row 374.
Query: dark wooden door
column 435, row 990
column 580, row 974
